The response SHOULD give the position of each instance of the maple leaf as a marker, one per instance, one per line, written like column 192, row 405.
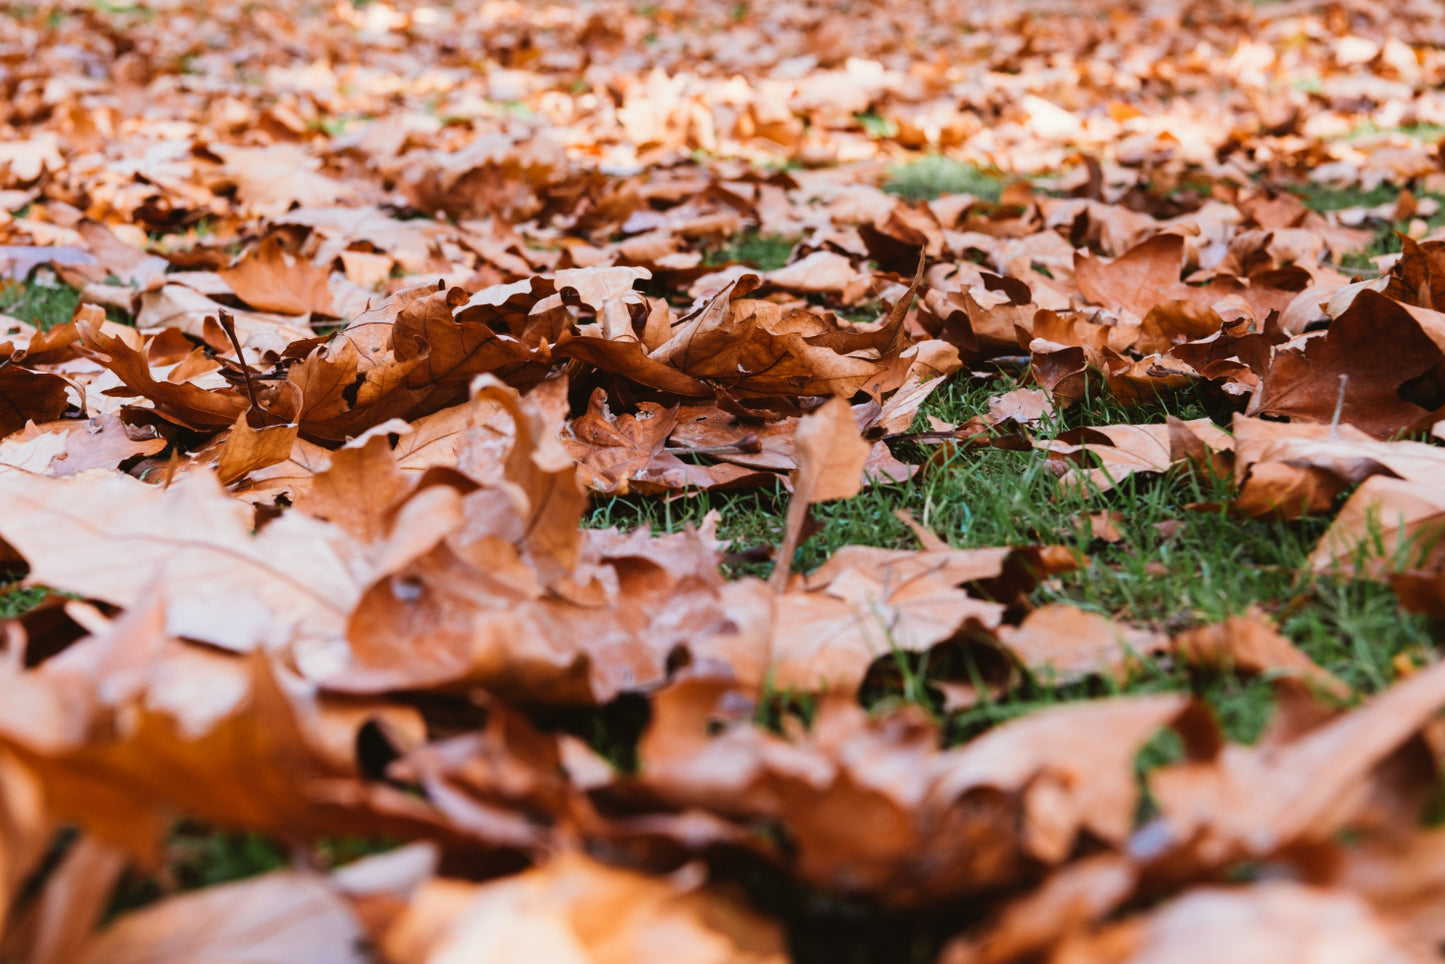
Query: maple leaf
column 1016, row 794
column 1297, row 468
column 1302, row 786
column 112, row 537
column 1375, row 357
column 270, row 279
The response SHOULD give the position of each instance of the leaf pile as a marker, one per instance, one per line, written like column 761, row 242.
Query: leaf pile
column 377, row 301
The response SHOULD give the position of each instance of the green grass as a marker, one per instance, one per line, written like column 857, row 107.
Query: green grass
column 46, row 306
column 933, row 176
column 1419, row 132
column 766, row 252
column 875, row 125
column 39, row 305
column 1334, row 197
column 17, row 600
column 1175, row 567
column 197, row 855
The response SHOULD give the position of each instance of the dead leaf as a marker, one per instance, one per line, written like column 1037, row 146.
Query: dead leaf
column 287, row 917
column 111, row 537
column 830, row 455
column 1250, row 644
column 270, row 279
column 1255, row 800
column 1363, row 366
column 575, row 910
column 1063, row 644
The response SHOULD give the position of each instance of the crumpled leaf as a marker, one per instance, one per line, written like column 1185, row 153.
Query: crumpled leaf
column 1063, row 644
column 1297, row 788
column 942, row 823
column 1249, row 643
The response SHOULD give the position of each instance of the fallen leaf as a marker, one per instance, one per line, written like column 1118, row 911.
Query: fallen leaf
column 287, row 917
column 270, row 279
column 1360, row 367
column 1063, row 644
column 1255, row 800
column 830, row 455
column 111, row 537
column 573, row 909
column 1251, row 644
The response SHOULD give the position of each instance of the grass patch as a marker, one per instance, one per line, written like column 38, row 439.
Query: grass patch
column 46, row 306
column 197, row 855
column 1419, row 132
column 17, row 600
column 1332, row 197
column 766, row 252
column 933, row 176
column 1174, row 568
column 875, row 125
column 41, row 305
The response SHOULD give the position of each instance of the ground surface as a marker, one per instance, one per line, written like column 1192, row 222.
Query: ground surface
column 721, row 481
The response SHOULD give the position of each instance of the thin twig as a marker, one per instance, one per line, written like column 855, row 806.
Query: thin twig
column 229, row 327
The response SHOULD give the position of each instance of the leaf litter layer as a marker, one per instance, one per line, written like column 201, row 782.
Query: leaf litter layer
column 721, row 481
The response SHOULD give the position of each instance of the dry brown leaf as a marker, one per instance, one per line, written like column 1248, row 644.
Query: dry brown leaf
column 1255, row 800
column 28, row 396
column 1387, row 524
column 1251, row 644
column 69, row 447
column 268, row 278
column 1257, row 924
column 286, row 917
column 942, row 823
column 1362, row 368
column 111, row 537
column 247, row 449
column 1062, row 644
column 1076, row 896
column 574, row 910
column 188, row 403
column 358, row 490
column 1123, row 450
column 831, row 456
